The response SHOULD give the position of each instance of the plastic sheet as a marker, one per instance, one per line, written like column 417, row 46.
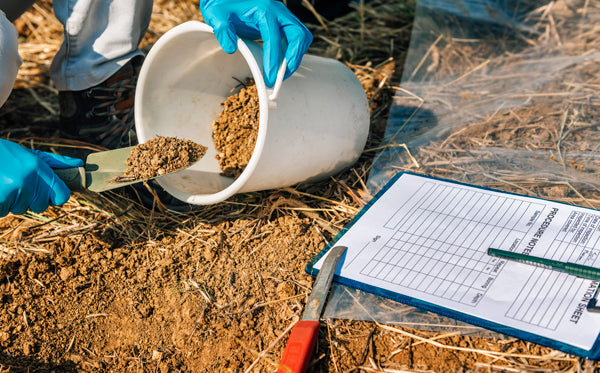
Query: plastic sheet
column 502, row 94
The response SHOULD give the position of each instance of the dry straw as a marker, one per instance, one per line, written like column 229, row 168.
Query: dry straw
column 372, row 40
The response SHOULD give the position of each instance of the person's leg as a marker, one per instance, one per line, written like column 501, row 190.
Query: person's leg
column 10, row 61
column 100, row 37
column 96, row 68
column 14, row 8
column 96, row 72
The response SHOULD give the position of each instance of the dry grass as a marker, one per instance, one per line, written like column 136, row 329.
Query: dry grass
column 519, row 118
column 373, row 41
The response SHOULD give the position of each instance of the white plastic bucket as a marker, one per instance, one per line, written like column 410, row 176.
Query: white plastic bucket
column 313, row 127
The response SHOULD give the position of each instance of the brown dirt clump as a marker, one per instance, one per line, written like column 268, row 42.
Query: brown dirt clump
column 236, row 128
column 162, row 155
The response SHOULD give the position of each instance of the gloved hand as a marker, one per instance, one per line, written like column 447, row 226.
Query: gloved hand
column 268, row 20
column 27, row 180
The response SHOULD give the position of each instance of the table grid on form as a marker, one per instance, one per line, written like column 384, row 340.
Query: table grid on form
column 538, row 302
column 446, row 254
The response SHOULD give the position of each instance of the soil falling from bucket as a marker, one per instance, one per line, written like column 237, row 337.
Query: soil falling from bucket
column 236, row 129
column 162, row 155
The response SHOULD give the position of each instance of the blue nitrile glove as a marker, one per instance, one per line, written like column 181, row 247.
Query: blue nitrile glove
column 254, row 19
column 27, row 180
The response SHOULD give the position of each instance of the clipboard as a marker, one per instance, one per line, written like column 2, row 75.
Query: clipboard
column 423, row 241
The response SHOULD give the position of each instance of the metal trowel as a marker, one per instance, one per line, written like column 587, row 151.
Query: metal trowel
column 102, row 171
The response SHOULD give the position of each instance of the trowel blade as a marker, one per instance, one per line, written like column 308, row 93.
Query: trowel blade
column 105, row 170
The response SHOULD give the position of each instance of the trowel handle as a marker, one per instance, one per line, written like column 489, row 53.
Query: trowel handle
column 299, row 348
column 74, row 177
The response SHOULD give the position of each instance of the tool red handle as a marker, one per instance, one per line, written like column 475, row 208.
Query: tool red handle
column 300, row 347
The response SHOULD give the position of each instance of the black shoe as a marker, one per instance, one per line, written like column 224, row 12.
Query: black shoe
column 102, row 115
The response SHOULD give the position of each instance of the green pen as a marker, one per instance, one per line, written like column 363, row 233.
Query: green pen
column 590, row 273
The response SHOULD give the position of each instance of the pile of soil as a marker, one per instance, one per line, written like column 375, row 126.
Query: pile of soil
column 236, row 129
column 162, row 155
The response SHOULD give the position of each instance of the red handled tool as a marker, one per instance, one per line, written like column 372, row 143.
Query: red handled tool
column 303, row 338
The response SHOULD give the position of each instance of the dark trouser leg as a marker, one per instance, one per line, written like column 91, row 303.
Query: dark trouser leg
column 14, row 8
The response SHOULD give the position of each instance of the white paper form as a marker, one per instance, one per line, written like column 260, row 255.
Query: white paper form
column 428, row 238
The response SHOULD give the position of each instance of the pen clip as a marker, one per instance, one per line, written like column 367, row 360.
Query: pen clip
column 592, row 305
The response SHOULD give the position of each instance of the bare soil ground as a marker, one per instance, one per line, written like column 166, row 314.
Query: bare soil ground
column 104, row 284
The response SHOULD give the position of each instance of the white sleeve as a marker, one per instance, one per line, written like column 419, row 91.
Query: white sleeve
column 9, row 57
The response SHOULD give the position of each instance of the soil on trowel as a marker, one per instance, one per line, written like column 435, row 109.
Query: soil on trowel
column 236, row 129
column 162, row 155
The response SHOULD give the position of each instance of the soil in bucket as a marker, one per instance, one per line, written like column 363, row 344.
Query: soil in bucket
column 236, row 129
column 162, row 155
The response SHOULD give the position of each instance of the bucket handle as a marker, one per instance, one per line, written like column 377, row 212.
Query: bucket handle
column 278, row 81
